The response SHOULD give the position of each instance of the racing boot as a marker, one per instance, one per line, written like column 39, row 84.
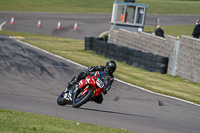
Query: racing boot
column 72, row 82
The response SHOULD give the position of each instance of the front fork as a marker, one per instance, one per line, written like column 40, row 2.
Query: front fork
column 69, row 95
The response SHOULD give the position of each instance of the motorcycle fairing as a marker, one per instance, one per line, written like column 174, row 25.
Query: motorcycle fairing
column 86, row 81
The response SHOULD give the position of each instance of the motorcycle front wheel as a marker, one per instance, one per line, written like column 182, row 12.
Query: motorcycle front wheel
column 80, row 100
column 61, row 100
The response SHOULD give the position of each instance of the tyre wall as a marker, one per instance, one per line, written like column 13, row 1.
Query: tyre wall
column 136, row 58
column 145, row 42
column 88, row 43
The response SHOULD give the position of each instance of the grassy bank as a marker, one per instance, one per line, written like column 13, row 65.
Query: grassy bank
column 20, row 122
column 174, row 30
column 98, row 6
column 74, row 50
column 172, row 6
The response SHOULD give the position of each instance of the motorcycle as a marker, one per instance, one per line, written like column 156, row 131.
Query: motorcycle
column 86, row 90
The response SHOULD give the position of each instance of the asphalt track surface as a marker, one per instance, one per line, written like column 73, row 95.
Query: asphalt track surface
column 88, row 24
column 31, row 80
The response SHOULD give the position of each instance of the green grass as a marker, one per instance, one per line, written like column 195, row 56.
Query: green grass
column 174, row 30
column 75, row 6
column 98, row 6
column 171, row 6
column 20, row 122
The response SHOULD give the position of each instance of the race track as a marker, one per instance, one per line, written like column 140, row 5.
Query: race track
column 88, row 24
column 31, row 80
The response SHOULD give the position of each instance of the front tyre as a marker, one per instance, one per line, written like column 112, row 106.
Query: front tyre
column 61, row 100
column 80, row 100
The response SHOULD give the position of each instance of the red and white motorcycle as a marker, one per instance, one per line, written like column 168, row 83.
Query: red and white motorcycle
column 86, row 90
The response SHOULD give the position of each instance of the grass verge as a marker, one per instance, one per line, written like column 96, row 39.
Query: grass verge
column 99, row 6
column 174, row 30
column 171, row 6
column 20, row 122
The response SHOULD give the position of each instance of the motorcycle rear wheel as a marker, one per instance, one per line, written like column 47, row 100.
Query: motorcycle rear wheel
column 80, row 100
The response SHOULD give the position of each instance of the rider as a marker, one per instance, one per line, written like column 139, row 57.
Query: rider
column 109, row 68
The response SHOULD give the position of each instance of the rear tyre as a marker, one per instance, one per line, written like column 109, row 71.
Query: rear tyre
column 80, row 100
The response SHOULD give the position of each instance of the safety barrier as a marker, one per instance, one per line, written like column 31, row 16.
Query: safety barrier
column 183, row 52
column 135, row 58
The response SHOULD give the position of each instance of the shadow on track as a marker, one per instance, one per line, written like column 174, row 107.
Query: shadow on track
column 113, row 112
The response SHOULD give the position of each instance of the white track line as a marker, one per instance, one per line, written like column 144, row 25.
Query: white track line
column 115, row 78
column 2, row 25
column 103, row 33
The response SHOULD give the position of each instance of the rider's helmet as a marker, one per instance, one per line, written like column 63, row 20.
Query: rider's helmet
column 111, row 66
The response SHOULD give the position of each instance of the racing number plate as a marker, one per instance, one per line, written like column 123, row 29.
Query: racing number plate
column 99, row 83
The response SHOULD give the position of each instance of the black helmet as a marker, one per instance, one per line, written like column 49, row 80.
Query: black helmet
column 111, row 66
